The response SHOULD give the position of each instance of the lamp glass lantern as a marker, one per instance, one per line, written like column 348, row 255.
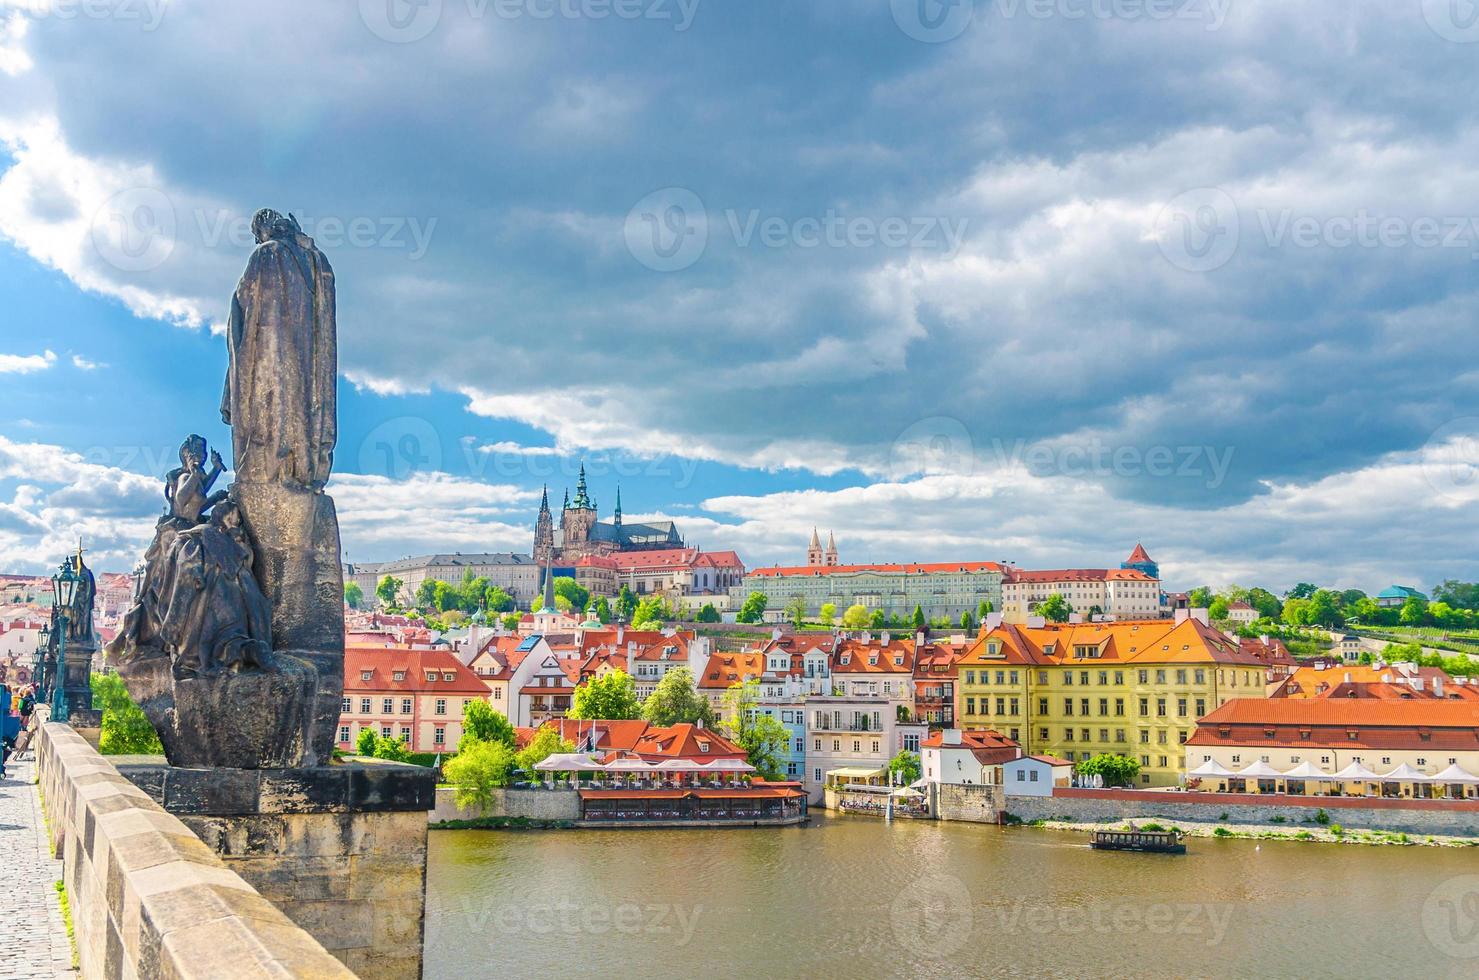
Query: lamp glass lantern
column 64, row 583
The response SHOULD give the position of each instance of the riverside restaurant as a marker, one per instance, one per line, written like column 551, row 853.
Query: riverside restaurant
column 627, row 790
column 1393, row 749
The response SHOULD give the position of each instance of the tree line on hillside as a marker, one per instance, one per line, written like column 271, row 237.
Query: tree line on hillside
column 1454, row 605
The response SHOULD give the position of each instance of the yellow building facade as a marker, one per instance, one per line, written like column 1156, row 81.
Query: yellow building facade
column 1126, row 688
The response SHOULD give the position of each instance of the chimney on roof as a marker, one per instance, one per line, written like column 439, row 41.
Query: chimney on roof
column 884, row 637
column 1347, row 677
column 1036, row 622
column 951, row 736
column 620, row 632
column 993, row 620
column 1438, row 685
column 1200, row 615
column 1386, row 678
column 918, row 640
column 1180, row 616
column 1075, row 618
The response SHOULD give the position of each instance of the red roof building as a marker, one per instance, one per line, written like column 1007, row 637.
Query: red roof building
column 414, row 695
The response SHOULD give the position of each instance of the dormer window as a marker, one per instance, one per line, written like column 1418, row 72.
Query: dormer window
column 449, row 677
column 431, row 677
column 365, row 675
column 400, row 675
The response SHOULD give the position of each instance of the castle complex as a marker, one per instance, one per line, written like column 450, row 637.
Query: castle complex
column 580, row 535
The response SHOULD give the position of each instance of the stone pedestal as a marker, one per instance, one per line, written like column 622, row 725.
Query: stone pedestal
column 295, row 534
column 341, row 849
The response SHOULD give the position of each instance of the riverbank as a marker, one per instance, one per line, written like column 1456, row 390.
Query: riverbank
column 1316, row 833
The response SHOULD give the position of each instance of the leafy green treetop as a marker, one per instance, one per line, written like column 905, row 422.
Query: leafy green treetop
column 610, row 697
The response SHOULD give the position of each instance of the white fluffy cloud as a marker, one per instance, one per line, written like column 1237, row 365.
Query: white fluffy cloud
column 26, row 363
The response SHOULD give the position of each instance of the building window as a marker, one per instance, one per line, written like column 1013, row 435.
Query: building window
column 441, row 706
column 439, row 736
column 343, row 733
column 345, row 707
column 405, row 706
column 387, row 705
column 364, row 706
column 385, row 731
column 498, row 694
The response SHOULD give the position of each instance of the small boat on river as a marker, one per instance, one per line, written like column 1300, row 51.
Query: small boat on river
column 1153, row 841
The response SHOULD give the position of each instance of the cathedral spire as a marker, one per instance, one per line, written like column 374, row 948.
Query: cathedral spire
column 582, row 499
column 617, row 516
column 544, row 500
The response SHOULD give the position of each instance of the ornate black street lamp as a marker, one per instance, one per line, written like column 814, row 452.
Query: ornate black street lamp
column 64, row 586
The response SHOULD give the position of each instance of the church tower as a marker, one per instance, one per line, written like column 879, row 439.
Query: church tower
column 831, row 556
column 544, row 531
column 814, row 550
column 577, row 519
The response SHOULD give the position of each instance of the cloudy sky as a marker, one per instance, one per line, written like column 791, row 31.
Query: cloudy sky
column 1025, row 279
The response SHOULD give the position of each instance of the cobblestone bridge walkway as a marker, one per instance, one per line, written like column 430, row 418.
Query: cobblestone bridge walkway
column 33, row 939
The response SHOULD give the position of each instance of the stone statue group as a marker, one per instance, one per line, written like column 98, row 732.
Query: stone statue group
column 234, row 644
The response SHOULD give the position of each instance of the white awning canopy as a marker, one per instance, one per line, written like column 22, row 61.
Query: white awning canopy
column 1356, row 773
column 1455, row 774
column 568, row 762
column 1406, row 774
column 1308, row 770
column 1211, row 768
column 1260, row 770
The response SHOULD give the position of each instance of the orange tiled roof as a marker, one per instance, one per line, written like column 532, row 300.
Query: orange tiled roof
column 874, row 657
column 685, row 741
column 913, row 568
column 1128, row 641
column 1018, row 575
column 383, row 665
column 1358, row 723
column 725, row 669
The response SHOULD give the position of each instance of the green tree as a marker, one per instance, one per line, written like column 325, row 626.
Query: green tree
column 1459, row 595
column 602, row 610
column 1324, row 609
column 477, row 770
column 1414, row 612
column 1297, row 612
column 1367, row 611
column 612, row 697
column 353, row 595
column 365, row 743
column 857, row 617
column 877, row 619
column 387, row 590
column 753, row 608
column 545, row 743
column 495, row 599
column 392, row 749
column 983, row 610
column 481, row 722
column 563, row 604
column 906, row 765
column 426, row 593
column 652, row 612
column 676, row 700
column 1218, row 609
column 1117, row 770
column 577, row 595
column 126, row 729
column 1303, row 590
column 763, row 738
column 708, row 614
column 966, row 623
column 828, row 613
column 472, row 593
column 626, row 603
column 1267, row 604
column 1055, row 609
column 918, row 618
column 510, row 621
column 1200, row 597
column 796, row 611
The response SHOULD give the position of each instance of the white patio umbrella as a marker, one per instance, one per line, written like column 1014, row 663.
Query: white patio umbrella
column 1356, row 773
column 568, row 762
column 1260, row 770
column 1211, row 768
column 1308, row 770
column 1406, row 774
column 1455, row 774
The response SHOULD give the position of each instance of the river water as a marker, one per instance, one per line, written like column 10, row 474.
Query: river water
column 851, row 896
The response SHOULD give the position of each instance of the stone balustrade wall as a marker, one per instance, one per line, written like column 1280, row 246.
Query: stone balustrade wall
column 532, row 804
column 148, row 898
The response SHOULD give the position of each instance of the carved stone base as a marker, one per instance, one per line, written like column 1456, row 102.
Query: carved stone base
column 340, row 849
column 295, row 534
column 250, row 720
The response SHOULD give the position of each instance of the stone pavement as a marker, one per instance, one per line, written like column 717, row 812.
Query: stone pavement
column 33, row 938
